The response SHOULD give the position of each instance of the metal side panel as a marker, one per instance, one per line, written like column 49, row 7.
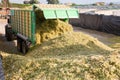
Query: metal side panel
column 49, row 14
column 73, row 13
column 51, row 11
column 60, row 13
column 33, row 26
column 23, row 22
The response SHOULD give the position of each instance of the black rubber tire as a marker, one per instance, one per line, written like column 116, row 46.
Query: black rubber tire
column 1, row 56
column 19, row 44
column 24, row 47
column 6, row 27
column 9, row 34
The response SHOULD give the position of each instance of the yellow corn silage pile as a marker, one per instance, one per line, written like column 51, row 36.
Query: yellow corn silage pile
column 49, row 29
column 73, row 55
column 97, row 67
column 116, row 42
column 70, row 44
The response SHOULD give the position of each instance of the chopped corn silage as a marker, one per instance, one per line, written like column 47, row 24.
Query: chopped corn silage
column 115, row 42
column 97, row 67
column 49, row 29
column 72, row 56
column 73, row 43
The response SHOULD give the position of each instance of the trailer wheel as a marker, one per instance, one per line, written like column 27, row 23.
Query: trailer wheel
column 1, row 56
column 19, row 44
column 6, row 26
column 24, row 47
column 9, row 34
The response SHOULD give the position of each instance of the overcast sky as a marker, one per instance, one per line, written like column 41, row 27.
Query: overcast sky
column 73, row 1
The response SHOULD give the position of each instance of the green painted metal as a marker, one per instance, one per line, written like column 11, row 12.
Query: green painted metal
column 49, row 14
column 73, row 13
column 18, row 21
column 60, row 13
column 54, row 12
column 12, row 12
column 66, row 20
column 23, row 22
column 33, row 26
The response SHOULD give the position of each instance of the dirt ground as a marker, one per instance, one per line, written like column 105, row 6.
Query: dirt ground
column 11, row 46
column 101, row 36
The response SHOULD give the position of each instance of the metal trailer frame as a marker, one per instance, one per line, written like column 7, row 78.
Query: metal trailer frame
column 22, row 24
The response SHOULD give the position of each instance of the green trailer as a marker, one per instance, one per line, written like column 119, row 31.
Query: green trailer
column 22, row 23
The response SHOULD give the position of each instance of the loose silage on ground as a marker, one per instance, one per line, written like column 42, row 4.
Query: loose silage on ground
column 97, row 67
column 72, row 43
column 115, row 42
column 74, row 56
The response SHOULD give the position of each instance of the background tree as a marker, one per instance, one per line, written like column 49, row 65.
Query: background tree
column 73, row 4
column 53, row 1
column 111, row 3
column 31, row 2
column 5, row 3
column 34, row 2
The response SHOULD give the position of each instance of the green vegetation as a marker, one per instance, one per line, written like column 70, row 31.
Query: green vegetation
column 16, row 5
column 31, row 2
column 5, row 3
column 111, row 3
column 53, row 1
